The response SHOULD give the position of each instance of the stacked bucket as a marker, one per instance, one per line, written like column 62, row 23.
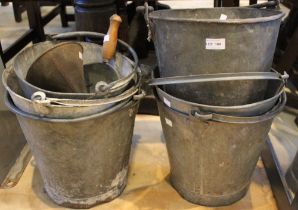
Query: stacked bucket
column 217, row 96
column 77, row 116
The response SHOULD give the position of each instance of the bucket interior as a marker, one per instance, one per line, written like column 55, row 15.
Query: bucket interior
column 94, row 70
column 224, row 93
column 233, row 14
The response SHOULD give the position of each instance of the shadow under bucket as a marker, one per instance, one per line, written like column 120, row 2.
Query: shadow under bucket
column 82, row 161
column 212, row 161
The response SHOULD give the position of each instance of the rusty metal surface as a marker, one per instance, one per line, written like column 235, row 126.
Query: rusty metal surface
column 82, row 161
column 245, row 42
column 212, row 160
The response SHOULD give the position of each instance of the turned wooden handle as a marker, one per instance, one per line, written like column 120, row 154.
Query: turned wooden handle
column 110, row 40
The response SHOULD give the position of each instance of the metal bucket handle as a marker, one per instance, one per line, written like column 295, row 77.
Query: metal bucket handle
column 200, row 78
column 12, row 107
column 197, row 114
column 146, row 9
column 41, row 101
column 102, row 88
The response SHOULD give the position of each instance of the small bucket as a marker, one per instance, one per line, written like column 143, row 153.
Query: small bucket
column 82, row 161
column 275, row 84
column 212, row 160
column 124, row 70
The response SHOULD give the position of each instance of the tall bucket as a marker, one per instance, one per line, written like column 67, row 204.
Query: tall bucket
column 212, row 161
column 200, row 41
column 82, row 161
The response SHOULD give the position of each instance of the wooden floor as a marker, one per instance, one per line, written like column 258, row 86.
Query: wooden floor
column 148, row 187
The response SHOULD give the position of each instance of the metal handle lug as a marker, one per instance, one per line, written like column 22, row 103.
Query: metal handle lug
column 139, row 96
column 204, row 117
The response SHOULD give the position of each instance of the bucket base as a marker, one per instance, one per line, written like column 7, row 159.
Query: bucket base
column 116, row 188
column 209, row 200
column 85, row 203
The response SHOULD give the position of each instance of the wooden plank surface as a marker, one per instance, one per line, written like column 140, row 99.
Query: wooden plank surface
column 148, row 187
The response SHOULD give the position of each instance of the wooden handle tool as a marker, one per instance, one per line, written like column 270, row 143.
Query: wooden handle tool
column 110, row 40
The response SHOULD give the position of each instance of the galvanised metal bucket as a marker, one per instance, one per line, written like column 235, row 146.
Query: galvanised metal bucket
column 246, row 110
column 217, row 40
column 124, row 68
column 212, row 160
column 61, row 108
column 82, row 161
column 276, row 84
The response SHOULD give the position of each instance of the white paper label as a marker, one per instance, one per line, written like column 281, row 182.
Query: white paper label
column 106, row 38
column 215, row 44
column 167, row 102
column 169, row 122
column 81, row 55
column 223, row 17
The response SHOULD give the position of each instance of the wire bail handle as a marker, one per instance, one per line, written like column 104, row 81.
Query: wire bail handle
column 146, row 9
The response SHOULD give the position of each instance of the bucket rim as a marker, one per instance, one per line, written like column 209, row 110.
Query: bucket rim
column 223, row 107
column 118, row 107
column 278, row 15
column 232, row 119
column 64, row 103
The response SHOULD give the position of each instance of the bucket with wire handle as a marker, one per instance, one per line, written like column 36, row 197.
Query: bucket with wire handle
column 212, row 156
column 74, row 70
